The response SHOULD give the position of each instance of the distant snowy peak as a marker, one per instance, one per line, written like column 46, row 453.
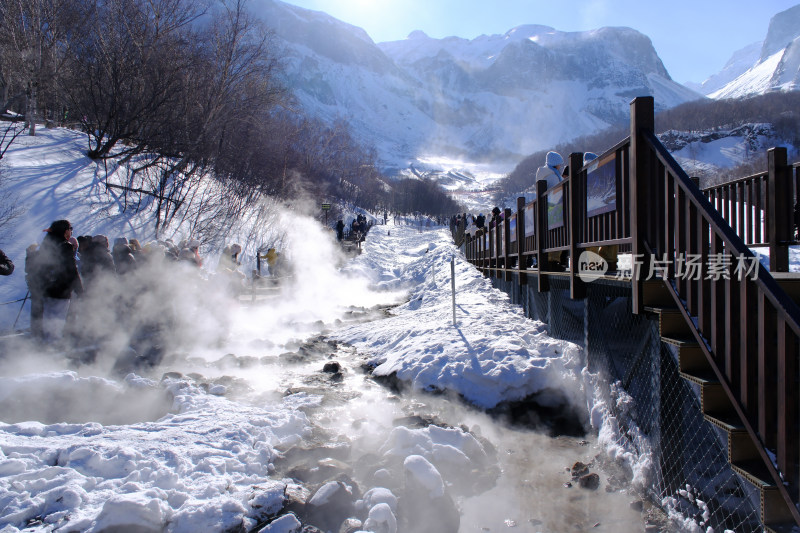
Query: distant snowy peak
column 741, row 61
column 783, row 29
column 323, row 35
column 490, row 100
column 775, row 68
column 625, row 44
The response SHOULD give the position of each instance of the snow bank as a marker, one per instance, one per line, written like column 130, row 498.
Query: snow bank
column 204, row 467
column 493, row 354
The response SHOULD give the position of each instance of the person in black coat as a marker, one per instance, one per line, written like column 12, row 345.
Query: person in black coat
column 339, row 230
column 57, row 275
column 97, row 260
column 6, row 266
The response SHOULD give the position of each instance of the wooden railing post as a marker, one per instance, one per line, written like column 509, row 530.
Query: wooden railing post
column 498, row 245
column 541, row 235
column 642, row 120
column 507, row 243
column 779, row 209
column 490, row 250
column 577, row 196
column 521, row 261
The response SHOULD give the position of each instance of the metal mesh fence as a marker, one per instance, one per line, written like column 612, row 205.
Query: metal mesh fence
column 691, row 477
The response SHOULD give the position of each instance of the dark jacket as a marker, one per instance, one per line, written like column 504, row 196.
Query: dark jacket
column 6, row 266
column 56, row 270
column 96, row 261
column 123, row 258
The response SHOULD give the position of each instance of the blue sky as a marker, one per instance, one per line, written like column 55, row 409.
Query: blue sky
column 694, row 38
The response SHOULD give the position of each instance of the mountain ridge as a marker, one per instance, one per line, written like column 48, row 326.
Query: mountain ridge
column 495, row 98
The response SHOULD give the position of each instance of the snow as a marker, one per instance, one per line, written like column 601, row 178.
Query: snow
column 425, row 474
column 90, row 450
column 756, row 80
column 493, row 353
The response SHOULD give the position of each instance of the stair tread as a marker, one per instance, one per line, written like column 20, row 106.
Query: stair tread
column 728, row 421
column 756, row 472
column 781, row 527
column 701, row 376
column 663, row 309
column 681, row 342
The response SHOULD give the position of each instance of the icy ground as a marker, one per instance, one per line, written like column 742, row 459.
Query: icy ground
column 232, row 434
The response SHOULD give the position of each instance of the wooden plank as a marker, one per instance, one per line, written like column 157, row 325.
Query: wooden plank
column 779, row 182
column 787, row 405
column 748, row 346
column 642, row 119
column 577, row 195
column 522, row 260
column 541, row 233
column 767, row 367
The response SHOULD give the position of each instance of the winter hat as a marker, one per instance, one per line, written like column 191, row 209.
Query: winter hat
column 588, row 157
column 553, row 159
column 59, row 227
column 187, row 255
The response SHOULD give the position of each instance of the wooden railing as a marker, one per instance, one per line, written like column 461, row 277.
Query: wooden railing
column 569, row 222
column 747, row 326
column 752, row 212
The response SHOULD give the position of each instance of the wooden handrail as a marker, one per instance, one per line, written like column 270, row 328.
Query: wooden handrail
column 745, row 366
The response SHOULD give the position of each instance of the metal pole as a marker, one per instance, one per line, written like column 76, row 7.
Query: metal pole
column 453, row 285
column 20, row 309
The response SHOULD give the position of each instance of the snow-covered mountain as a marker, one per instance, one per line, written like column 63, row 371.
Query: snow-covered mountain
column 775, row 68
column 492, row 99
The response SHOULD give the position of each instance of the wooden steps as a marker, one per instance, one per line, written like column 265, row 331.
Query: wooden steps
column 743, row 452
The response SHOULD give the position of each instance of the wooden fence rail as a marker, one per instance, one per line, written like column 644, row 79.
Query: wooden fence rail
column 637, row 198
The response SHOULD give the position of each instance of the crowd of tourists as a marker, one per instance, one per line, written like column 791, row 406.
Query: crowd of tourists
column 81, row 286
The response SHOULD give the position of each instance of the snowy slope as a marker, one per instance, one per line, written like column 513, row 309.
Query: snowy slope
column 776, row 69
column 739, row 63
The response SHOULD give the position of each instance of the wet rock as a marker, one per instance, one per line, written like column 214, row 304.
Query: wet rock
column 296, row 498
column 392, row 382
column 171, row 375
column 579, row 469
column 330, row 505
column 589, row 481
column 637, row 505
column 335, row 450
column 291, row 358
column 287, row 523
column 329, row 469
column 351, row 525
column 413, row 422
column 332, row 367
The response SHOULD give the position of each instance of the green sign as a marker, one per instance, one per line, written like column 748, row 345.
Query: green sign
column 326, row 207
